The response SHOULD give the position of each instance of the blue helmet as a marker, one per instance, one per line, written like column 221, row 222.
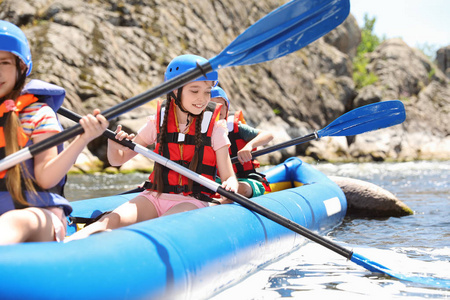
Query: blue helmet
column 13, row 40
column 219, row 92
column 183, row 63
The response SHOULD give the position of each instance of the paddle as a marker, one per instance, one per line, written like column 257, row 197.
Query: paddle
column 286, row 29
column 362, row 119
column 253, row 206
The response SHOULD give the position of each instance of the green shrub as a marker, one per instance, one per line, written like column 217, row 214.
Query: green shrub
column 369, row 42
column 361, row 76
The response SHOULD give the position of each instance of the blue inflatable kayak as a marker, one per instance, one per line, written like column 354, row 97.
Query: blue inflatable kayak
column 191, row 255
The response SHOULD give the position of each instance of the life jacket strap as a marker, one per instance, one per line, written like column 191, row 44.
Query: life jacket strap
column 261, row 178
column 177, row 137
column 86, row 221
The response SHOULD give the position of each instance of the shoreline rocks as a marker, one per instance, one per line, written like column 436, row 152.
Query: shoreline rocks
column 104, row 52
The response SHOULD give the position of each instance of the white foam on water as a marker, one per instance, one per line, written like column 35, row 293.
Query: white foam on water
column 314, row 271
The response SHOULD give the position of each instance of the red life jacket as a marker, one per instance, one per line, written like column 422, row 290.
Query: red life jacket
column 180, row 148
column 248, row 169
column 237, row 143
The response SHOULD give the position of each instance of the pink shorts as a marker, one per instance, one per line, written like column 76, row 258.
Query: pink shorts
column 59, row 222
column 166, row 201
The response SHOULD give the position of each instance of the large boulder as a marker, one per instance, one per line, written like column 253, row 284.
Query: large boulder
column 407, row 74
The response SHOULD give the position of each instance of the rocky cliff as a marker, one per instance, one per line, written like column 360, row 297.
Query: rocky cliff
column 106, row 51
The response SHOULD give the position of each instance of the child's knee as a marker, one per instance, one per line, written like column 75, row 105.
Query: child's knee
column 245, row 189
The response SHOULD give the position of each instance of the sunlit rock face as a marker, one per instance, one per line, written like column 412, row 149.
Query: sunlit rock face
column 104, row 52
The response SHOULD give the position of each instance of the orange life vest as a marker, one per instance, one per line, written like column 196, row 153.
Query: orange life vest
column 180, row 148
column 21, row 102
column 53, row 96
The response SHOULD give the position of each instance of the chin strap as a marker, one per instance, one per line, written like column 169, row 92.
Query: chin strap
column 178, row 99
column 178, row 103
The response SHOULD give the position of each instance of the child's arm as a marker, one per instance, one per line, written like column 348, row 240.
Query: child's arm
column 50, row 167
column 263, row 138
column 229, row 180
column 118, row 154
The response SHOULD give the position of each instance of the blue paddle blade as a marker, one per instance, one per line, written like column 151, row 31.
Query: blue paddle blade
column 377, row 268
column 285, row 30
column 366, row 118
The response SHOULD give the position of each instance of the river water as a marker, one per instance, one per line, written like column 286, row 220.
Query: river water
column 413, row 245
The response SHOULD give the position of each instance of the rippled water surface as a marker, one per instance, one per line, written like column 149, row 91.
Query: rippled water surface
column 415, row 245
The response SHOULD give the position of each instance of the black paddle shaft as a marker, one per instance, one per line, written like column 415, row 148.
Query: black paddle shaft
column 126, row 106
column 293, row 142
column 107, row 133
column 277, row 218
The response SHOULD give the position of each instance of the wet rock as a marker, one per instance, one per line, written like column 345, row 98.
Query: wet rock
column 367, row 200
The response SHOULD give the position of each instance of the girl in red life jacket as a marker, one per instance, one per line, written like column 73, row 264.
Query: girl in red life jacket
column 186, row 129
column 244, row 139
column 32, row 207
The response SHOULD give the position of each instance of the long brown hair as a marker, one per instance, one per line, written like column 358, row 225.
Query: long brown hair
column 15, row 174
column 158, row 169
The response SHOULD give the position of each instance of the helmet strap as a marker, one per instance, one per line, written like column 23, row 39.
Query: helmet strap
column 178, row 99
column 178, row 103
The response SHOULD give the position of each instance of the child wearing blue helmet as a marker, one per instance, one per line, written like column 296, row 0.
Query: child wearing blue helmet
column 32, row 206
column 244, row 139
column 186, row 129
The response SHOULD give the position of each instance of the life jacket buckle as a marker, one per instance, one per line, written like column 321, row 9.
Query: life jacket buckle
column 181, row 189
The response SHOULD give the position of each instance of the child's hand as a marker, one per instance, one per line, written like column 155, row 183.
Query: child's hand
column 231, row 184
column 94, row 125
column 245, row 154
column 120, row 134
